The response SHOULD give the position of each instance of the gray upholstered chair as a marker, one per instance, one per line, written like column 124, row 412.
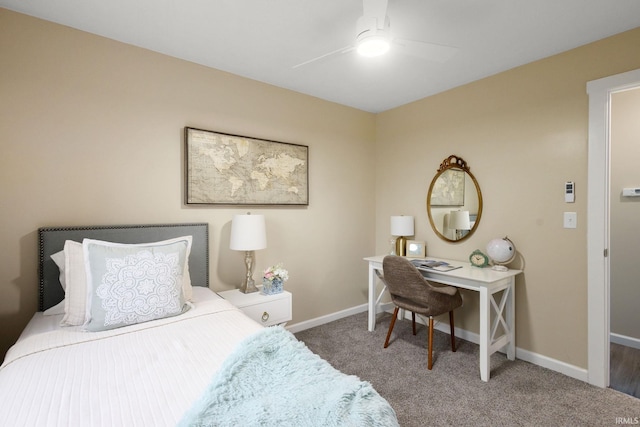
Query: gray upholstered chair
column 411, row 291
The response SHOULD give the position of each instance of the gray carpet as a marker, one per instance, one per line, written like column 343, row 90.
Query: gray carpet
column 518, row 393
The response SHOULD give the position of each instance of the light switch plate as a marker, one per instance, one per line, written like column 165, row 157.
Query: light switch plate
column 570, row 219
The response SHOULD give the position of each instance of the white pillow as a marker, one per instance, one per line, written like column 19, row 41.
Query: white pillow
column 75, row 281
column 76, row 285
column 129, row 284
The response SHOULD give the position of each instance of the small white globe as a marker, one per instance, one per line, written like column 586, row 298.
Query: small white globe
column 501, row 251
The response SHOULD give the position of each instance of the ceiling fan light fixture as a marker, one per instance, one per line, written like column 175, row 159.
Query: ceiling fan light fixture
column 373, row 35
column 373, row 45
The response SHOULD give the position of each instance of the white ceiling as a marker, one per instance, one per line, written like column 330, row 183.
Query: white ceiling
column 264, row 39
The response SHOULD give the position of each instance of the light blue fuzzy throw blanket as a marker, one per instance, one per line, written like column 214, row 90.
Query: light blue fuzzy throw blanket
column 272, row 379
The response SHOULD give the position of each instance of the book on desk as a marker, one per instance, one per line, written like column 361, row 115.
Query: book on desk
column 433, row 265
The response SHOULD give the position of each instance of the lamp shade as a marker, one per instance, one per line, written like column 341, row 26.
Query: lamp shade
column 402, row 225
column 248, row 233
column 459, row 220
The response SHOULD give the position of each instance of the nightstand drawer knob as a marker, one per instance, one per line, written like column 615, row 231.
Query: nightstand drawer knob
column 265, row 316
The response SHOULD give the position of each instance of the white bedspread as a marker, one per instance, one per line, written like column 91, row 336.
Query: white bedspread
column 142, row 375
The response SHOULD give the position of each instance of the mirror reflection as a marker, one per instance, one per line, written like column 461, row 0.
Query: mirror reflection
column 454, row 201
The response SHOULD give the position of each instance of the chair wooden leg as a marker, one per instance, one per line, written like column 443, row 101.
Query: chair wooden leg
column 453, row 334
column 430, row 342
column 413, row 320
column 393, row 322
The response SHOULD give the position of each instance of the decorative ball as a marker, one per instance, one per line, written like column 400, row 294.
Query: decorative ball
column 501, row 251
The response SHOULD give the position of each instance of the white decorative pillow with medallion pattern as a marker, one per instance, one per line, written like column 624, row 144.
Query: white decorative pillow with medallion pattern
column 129, row 284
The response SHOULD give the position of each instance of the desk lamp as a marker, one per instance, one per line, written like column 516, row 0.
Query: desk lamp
column 401, row 228
column 248, row 233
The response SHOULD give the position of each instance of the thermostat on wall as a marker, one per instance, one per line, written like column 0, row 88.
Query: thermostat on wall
column 569, row 192
column 631, row 192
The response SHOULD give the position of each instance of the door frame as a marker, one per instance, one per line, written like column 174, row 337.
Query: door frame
column 598, row 181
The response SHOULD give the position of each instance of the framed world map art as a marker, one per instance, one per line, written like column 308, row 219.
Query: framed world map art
column 237, row 170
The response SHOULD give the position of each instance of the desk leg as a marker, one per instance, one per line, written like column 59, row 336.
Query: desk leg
column 485, row 318
column 372, row 298
column 510, row 317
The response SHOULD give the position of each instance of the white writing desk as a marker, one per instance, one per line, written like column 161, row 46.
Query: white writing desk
column 488, row 283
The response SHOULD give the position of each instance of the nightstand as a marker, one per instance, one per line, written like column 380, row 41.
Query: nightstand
column 268, row 310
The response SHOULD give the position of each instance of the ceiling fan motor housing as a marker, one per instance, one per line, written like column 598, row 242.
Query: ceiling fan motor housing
column 372, row 35
column 370, row 25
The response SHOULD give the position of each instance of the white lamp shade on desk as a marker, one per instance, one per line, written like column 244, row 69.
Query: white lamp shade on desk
column 459, row 220
column 248, row 233
column 402, row 225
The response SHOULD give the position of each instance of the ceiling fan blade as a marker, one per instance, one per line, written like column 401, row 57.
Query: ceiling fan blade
column 430, row 51
column 318, row 58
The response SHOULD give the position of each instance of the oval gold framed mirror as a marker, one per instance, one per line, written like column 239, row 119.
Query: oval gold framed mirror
column 454, row 201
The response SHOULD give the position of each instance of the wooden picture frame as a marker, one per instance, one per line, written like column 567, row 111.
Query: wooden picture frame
column 230, row 169
column 416, row 249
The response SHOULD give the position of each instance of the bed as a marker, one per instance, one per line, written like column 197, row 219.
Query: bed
column 204, row 363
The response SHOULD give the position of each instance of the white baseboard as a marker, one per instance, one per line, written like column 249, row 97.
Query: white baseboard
column 555, row 365
column 624, row 340
column 308, row 324
column 526, row 355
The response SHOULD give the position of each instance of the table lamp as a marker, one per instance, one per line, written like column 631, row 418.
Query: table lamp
column 401, row 228
column 248, row 233
column 459, row 221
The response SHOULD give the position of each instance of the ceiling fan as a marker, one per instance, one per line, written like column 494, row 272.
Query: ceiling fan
column 373, row 38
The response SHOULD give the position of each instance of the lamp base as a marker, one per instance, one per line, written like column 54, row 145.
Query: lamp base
column 401, row 246
column 248, row 285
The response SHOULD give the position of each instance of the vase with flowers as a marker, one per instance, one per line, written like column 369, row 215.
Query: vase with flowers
column 273, row 279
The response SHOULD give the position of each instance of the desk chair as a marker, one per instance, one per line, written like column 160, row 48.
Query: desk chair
column 411, row 291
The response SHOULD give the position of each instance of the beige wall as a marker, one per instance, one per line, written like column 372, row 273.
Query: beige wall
column 91, row 133
column 625, row 214
column 523, row 133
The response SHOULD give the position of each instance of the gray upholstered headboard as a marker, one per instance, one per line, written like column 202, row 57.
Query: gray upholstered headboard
column 51, row 240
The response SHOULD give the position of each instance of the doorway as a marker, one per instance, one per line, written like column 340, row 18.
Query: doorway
column 598, row 219
column 624, row 209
